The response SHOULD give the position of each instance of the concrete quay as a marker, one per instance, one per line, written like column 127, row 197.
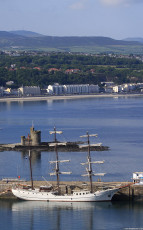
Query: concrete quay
column 128, row 191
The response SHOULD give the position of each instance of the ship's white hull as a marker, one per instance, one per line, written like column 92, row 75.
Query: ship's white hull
column 80, row 196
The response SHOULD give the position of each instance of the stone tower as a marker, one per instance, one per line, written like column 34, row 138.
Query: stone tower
column 33, row 139
column 35, row 136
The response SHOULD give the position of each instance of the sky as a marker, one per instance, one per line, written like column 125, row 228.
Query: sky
column 117, row 19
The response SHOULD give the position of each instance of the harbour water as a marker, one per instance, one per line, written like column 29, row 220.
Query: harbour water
column 119, row 124
column 87, row 216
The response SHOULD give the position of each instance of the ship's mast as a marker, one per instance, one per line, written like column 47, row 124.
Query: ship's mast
column 57, row 159
column 32, row 186
column 57, row 170
column 89, row 162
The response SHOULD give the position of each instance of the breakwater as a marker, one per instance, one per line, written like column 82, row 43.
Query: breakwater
column 69, row 146
column 33, row 142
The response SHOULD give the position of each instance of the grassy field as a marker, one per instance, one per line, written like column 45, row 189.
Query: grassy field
column 97, row 49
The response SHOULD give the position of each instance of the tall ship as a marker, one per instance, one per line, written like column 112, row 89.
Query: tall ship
column 51, row 195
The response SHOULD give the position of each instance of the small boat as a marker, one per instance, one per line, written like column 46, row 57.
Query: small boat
column 51, row 195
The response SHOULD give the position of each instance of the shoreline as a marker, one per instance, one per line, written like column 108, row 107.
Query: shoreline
column 66, row 97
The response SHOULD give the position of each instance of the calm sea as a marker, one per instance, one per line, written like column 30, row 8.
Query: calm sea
column 28, row 215
column 118, row 122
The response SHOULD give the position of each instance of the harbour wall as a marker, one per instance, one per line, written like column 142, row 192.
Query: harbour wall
column 44, row 146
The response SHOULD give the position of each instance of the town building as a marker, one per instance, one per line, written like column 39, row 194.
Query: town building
column 57, row 89
column 1, row 91
column 124, row 88
column 7, row 91
column 94, row 89
column 108, row 83
column 138, row 177
column 69, row 71
column 117, row 89
column 29, row 91
column 128, row 87
column 109, row 89
column 9, row 83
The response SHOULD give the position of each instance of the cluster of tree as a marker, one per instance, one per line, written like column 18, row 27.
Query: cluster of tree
column 93, row 69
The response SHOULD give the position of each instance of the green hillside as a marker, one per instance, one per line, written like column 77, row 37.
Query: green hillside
column 24, row 40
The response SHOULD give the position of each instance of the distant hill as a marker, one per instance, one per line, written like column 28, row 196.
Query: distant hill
column 26, row 33
column 31, row 40
column 134, row 39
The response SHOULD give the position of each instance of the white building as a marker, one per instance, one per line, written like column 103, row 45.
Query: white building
column 72, row 89
column 124, row 88
column 9, row 83
column 138, row 177
column 29, row 91
column 94, row 89
column 7, row 91
column 55, row 89
column 129, row 87
column 117, row 89
column 139, row 85
column 109, row 89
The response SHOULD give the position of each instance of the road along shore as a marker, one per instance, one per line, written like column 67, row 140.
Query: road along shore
column 66, row 97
